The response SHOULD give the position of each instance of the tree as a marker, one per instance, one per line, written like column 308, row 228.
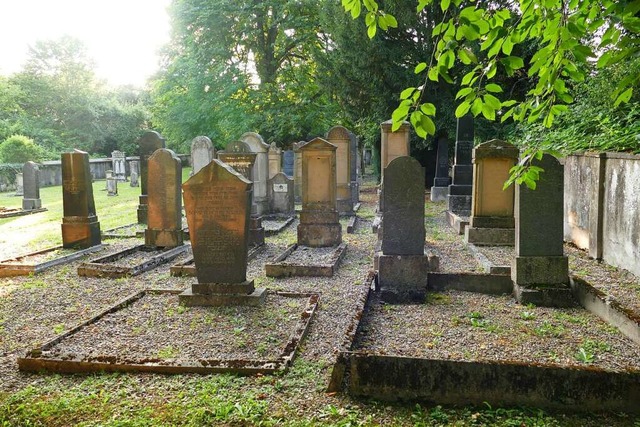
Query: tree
column 19, row 149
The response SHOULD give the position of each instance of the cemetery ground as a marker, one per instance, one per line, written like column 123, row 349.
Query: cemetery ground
column 451, row 325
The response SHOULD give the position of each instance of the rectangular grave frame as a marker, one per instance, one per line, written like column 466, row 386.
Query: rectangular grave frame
column 32, row 362
column 187, row 268
column 9, row 269
column 280, row 268
column 99, row 267
column 112, row 232
column 288, row 219
column 10, row 213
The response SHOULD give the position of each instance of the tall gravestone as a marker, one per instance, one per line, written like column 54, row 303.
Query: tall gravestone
column 202, row 152
column 297, row 171
column 119, row 165
column 275, row 160
column 393, row 143
column 242, row 159
column 319, row 222
column 287, row 163
column 441, row 182
column 492, row 221
column 540, row 270
column 147, row 145
column 354, row 168
column 218, row 204
column 31, row 183
column 134, row 174
column 260, row 170
column 164, row 225
column 341, row 138
column 281, row 195
column 80, row 226
column 459, row 198
column 402, row 263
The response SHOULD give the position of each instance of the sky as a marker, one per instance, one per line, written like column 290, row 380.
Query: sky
column 122, row 36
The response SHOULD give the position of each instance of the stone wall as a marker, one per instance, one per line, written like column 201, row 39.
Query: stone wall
column 602, row 207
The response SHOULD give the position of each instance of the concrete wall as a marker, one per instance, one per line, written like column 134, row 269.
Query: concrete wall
column 602, row 207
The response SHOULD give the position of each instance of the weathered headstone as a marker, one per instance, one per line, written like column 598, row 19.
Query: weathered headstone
column 108, row 174
column 287, row 163
column 492, row 221
column 354, row 168
column 319, row 222
column 540, row 271
column 112, row 184
column 281, row 195
column 459, row 198
column 441, row 182
column 134, row 174
column 260, row 170
column 297, row 171
column 147, row 145
column 275, row 160
column 218, row 205
column 31, row 180
column 402, row 263
column 19, row 184
column 202, row 152
column 119, row 163
column 241, row 158
column 80, row 226
column 341, row 138
column 367, row 156
column 393, row 144
column 164, row 225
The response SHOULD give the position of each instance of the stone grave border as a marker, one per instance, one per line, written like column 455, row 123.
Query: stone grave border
column 33, row 362
column 457, row 222
column 351, row 224
column 500, row 383
column 9, row 213
column 99, row 267
column 280, row 268
column 288, row 219
column 112, row 232
column 187, row 268
column 487, row 265
column 10, row 267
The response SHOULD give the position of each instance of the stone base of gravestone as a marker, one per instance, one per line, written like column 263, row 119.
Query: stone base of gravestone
column 439, row 194
column 143, row 209
column 490, row 231
column 458, row 204
column 80, row 232
column 154, row 238
column 31, row 204
column 345, row 206
column 403, row 278
column 355, row 192
column 319, row 229
column 542, row 280
column 223, row 294
column 256, row 231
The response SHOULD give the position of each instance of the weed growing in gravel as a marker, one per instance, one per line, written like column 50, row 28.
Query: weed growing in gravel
column 168, row 352
column 596, row 346
column 527, row 315
column 575, row 319
column 58, row 329
column 34, row 283
column 437, row 298
column 584, row 356
column 549, row 329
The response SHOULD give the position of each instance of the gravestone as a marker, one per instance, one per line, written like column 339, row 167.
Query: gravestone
column 367, row 156
column 287, row 163
column 242, row 159
column 393, row 144
column 112, row 184
column 202, row 152
column 260, row 170
column 108, row 174
column 147, row 145
column 164, row 225
column 354, row 168
column 341, row 138
column 492, row 221
column 459, row 198
column 319, row 222
column 133, row 177
column 540, row 270
column 119, row 163
column 275, row 160
column 281, row 195
column 218, row 204
column 80, row 226
column 297, row 171
column 31, row 182
column 402, row 263
column 441, row 181
column 19, row 184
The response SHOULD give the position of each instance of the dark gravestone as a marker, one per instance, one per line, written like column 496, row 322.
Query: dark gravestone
column 355, row 186
column 31, row 184
column 281, row 195
column 164, row 225
column 441, row 181
column 403, row 231
column 218, row 205
column 287, row 163
column 147, row 145
column 540, row 270
column 80, row 226
column 459, row 199
column 135, row 174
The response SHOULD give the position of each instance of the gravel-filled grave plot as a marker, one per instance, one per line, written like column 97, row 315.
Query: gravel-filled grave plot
column 464, row 326
column 498, row 256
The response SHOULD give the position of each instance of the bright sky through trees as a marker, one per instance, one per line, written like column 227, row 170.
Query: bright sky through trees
column 122, row 36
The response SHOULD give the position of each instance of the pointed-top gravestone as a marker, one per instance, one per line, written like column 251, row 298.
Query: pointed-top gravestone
column 147, row 145
column 218, row 205
column 260, row 170
column 164, row 225
column 281, row 195
column 80, row 226
column 202, row 152
column 275, row 160
column 341, row 138
column 31, row 184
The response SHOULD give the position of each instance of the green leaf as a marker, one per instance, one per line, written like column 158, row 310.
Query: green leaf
column 464, row 92
column 492, row 101
column 476, row 107
column 371, row 31
column 467, row 78
column 467, row 56
column 391, row 21
column 492, row 87
column 462, row 109
column 444, row 4
column 513, row 62
column 420, row 67
column 427, row 124
column 405, row 94
column 433, row 74
column 488, row 112
column 428, row 109
column 507, row 46
column 623, row 97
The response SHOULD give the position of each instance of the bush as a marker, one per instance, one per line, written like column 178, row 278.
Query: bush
column 19, row 149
